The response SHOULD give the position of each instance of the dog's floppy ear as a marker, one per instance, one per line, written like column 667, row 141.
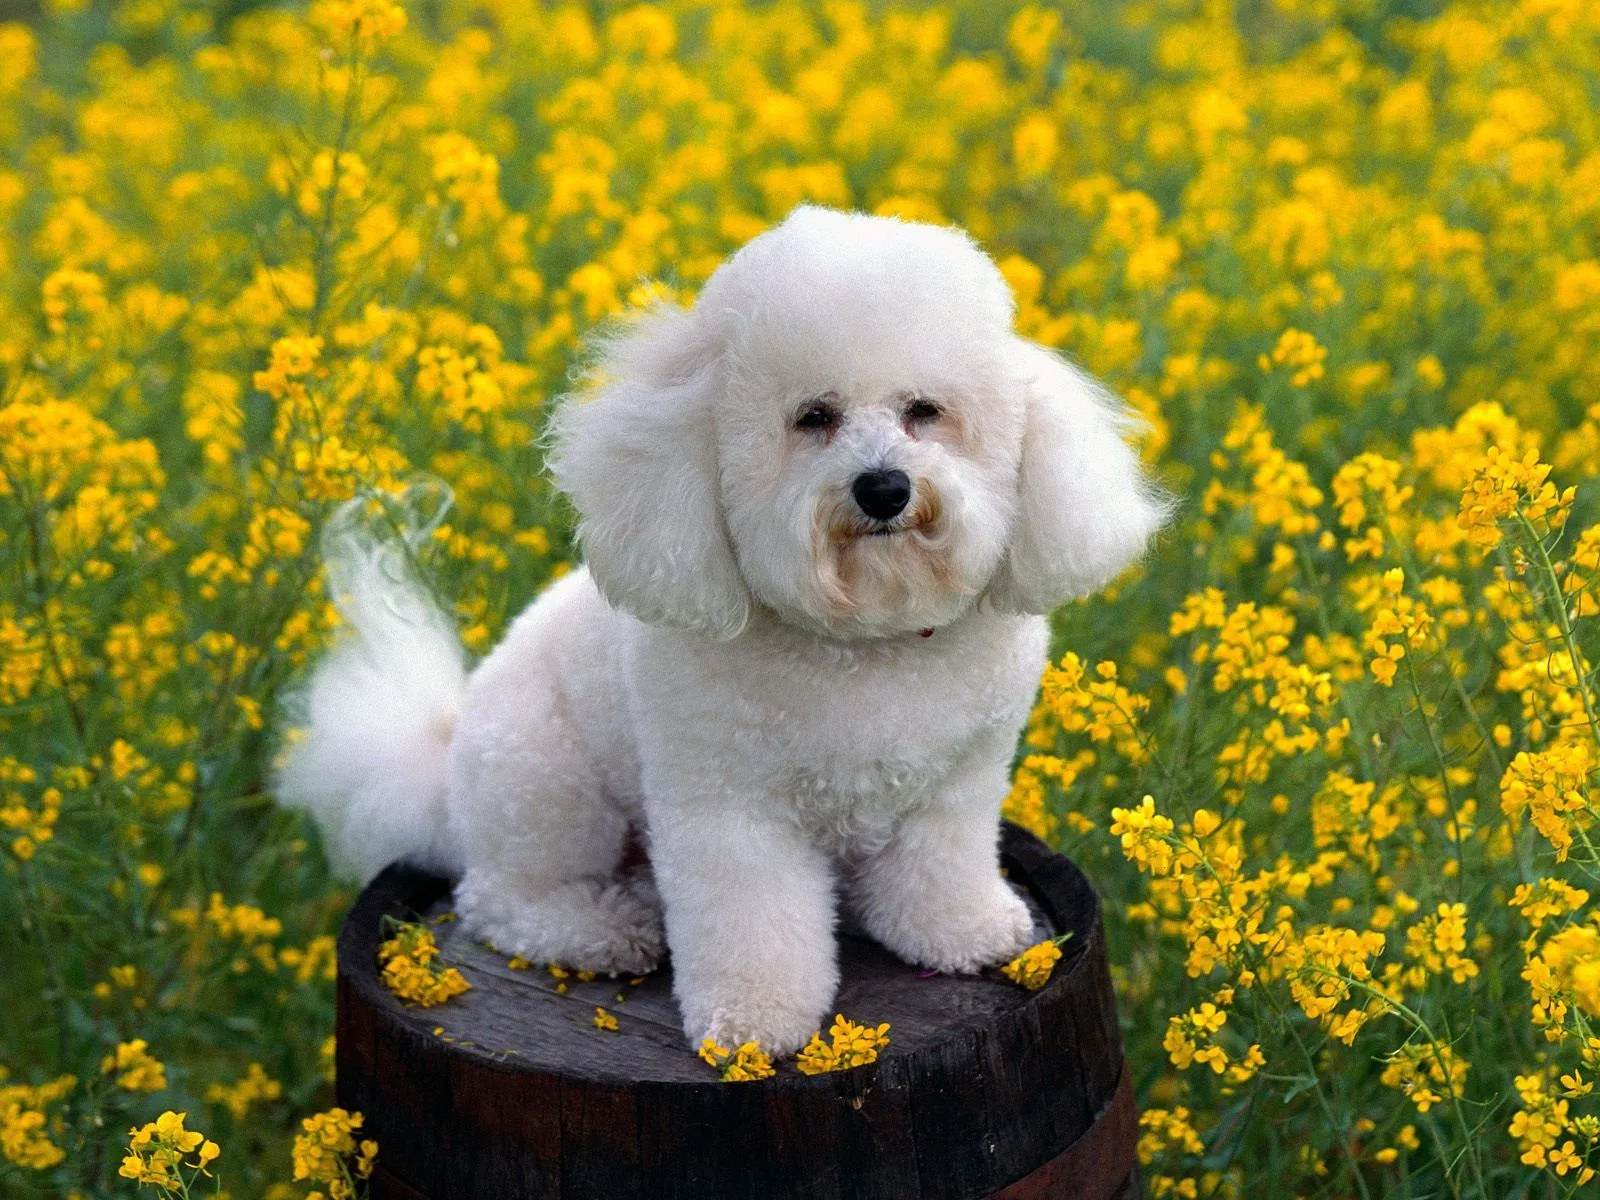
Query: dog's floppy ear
column 636, row 454
column 1085, row 508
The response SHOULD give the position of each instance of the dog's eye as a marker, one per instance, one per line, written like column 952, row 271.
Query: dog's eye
column 819, row 416
column 923, row 410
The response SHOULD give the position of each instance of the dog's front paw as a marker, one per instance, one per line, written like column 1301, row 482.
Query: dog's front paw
column 781, row 1028
column 611, row 927
column 963, row 939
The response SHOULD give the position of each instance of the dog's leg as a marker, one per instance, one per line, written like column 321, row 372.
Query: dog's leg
column 750, row 915
column 934, row 895
column 543, row 841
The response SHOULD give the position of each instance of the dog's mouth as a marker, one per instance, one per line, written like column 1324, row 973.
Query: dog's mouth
column 849, row 524
column 857, row 531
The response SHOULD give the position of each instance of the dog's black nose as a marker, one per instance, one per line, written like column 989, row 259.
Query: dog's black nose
column 882, row 495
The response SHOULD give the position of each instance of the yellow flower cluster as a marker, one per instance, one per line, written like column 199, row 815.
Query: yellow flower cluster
column 156, row 1154
column 848, row 1045
column 1189, row 1038
column 134, row 1068
column 243, row 921
column 1565, row 969
column 1337, row 857
column 1299, row 352
column 1026, row 803
column 739, row 1065
column 1505, row 486
column 25, row 1123
column 242, row 931
column 1552, row 788
column 1275, row 489
column 254, row 1087
column 33, row 824
column 1099, row 707
column 1034, row 966
column 326, row 1152
column 1161, row 1128
column 1146, row 836
column 470, row 179
column 1438, row 944
column 378, row 19
column 1545, row 900
column 1544, row 1119
column 1368, row 486
column 1323, row 967
column 412, row 970
column 1397, row 622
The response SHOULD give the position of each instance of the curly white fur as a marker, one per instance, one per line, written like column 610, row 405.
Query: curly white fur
column 789, row 699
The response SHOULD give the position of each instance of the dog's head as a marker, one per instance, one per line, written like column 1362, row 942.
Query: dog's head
column 845, row 431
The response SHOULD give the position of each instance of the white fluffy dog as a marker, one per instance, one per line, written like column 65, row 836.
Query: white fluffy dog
column 822, row 513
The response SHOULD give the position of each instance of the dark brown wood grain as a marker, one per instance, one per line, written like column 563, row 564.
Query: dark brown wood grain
column 509, row 1091
column 1097, row 1165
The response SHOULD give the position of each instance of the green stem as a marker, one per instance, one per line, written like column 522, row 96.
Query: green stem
column 1454, row 820
column 1569, row 636
column 1469, row 1139
column 33, row 923
column 1358, row 734
column 322, row 252
column 1289, row 1023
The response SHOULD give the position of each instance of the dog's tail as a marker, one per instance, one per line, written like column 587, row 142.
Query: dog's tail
column 369, row 752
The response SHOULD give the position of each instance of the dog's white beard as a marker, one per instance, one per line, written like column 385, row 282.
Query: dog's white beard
column 886, row 582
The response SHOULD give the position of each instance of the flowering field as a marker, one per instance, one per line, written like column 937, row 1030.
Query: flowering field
column 1330, row 753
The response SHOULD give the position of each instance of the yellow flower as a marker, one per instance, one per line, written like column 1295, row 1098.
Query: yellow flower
column 1034, row 144
column 1552, row 787
column 1032, row 968
column 1300, row 352
column 1189, row 1039
column 241, row 1096
column 1031, row 35
column 1100, row 707
column 326, row 1150
column 156, row 1153
column 468, row 177
column 379, row 20
column 134, row 1068
column 1145, row 836
column 1439, row 942
column 848, row 1045
column 292, row 359
column 26, row 1126
column 1547, row 898
column 72, row 295
column 1505, row 485
column 1288, row 246
column 1431, row 372
column 745, row 1063
column 411, row 970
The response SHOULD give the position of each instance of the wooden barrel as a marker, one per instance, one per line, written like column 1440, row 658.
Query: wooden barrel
column 510, row 1092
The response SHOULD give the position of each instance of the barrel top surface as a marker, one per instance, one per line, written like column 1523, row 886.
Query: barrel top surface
column 519, row 1020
